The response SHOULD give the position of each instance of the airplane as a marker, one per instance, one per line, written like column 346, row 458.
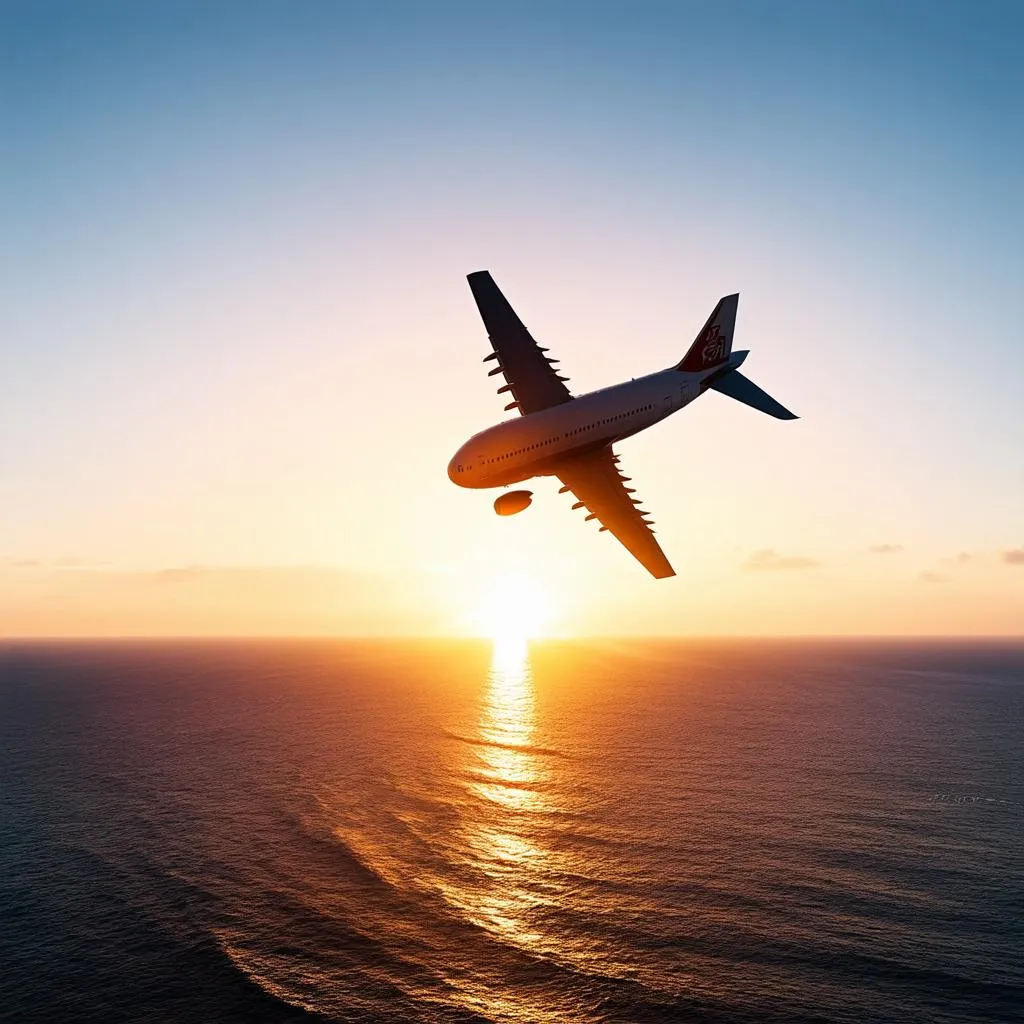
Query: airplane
column 572, row 437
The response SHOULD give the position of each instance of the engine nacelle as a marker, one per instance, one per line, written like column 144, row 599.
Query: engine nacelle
column 513, row 502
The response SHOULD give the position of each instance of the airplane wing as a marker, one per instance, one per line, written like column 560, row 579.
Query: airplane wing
column 599, row 486
column 530, row 376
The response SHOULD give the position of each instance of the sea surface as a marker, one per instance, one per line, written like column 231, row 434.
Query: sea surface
column 708, row 831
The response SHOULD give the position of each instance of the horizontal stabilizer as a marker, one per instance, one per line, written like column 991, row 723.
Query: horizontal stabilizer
column 744, row 390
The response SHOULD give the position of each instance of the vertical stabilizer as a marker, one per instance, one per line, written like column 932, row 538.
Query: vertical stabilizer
column 713, row 344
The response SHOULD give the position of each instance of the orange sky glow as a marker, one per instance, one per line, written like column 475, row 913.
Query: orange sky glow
column 239, row 348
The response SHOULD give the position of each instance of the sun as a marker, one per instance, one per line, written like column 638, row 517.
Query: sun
column 513, row 608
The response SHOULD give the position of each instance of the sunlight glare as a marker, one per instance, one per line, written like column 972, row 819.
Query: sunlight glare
column 513, row 609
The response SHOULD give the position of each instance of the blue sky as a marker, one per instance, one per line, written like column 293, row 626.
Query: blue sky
column 234, row 327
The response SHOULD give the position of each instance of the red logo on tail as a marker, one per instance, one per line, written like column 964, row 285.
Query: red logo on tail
column 714, row 345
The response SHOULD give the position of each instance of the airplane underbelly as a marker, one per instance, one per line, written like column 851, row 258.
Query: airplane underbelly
column 508, row 475
column 547, row 465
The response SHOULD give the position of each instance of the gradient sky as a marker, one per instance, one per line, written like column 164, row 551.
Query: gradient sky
column 237, row 348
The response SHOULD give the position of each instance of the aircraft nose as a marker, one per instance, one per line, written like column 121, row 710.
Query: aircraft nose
column 458, row 468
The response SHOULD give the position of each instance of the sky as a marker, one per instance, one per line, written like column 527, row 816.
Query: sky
column 237, row 347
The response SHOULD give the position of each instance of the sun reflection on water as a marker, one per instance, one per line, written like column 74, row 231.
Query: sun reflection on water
column 508, row 775
column 507, row 767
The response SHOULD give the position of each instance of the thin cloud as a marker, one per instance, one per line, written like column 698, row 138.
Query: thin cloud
column 769, row 558
column 932, row 577
column 77, row 562
column 962, row 558
column 224, row 600
column 182, row 574
column 67, row 562
column 1015, row 556
column 253, row 573
column 885, row 549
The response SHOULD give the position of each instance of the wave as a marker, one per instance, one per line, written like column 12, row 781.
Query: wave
column 522, row 748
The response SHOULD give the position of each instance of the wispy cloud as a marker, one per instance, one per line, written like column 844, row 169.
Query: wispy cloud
column 77, row 562
column 885, row 549
column 229, row 600
column 932, row 577
column 769, row 558
column 183, row 574
column 251, row 575
column 961, row 558
column 67, row 562
column 1015, row 556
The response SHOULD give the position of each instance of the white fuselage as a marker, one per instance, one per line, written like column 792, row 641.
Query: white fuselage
column 533, row 445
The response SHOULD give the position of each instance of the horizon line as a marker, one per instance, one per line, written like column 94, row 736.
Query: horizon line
column 448, row 638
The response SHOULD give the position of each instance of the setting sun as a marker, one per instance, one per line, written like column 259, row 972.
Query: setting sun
column 513, row 607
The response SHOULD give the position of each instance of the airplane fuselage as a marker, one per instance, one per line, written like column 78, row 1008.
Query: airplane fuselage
column 574, row 438
column 533, row 445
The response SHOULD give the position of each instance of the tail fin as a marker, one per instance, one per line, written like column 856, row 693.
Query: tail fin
column 712, row 346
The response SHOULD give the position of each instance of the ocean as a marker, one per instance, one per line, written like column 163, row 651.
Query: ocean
column 707, row 831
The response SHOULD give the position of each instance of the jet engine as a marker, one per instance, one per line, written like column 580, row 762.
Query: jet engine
column 513, row 502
